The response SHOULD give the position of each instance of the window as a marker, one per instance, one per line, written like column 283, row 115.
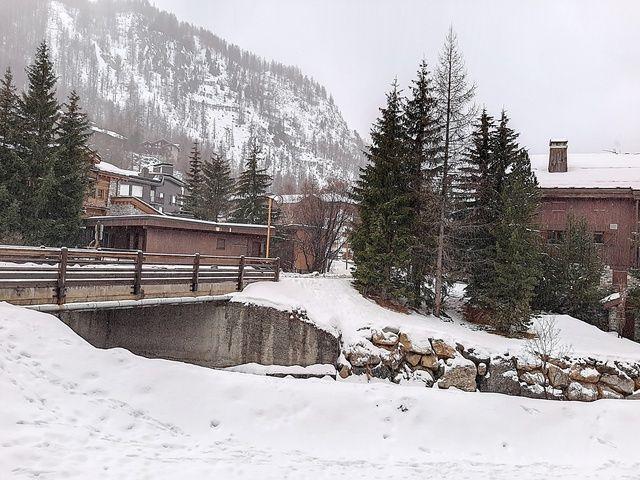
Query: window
column 221, row 244
column 173, row 200
column 152, row 194
column 161, row 198
column 555, row 237
column 124, row 190
column 136, row 191
column 598, row 237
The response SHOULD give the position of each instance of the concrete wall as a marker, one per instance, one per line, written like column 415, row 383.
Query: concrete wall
column 212, row 334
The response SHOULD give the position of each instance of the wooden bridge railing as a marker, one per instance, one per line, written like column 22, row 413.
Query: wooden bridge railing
column 26, row 269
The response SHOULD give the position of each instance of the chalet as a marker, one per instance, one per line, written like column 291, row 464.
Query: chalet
column 604, row 188
column 161, row 148
column 166, row 234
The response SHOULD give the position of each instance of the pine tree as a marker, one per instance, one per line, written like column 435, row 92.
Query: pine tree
column 455, row 113
column 382, row 239
column 251, row 190
column 517, row 249
column 11, row 184
column 571, row 273
column 38, row 114
column 63, row 188
column 193, row 199
column 420, row 121
column 219, row 187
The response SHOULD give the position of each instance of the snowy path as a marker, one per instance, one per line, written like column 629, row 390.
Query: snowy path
column 72, row 411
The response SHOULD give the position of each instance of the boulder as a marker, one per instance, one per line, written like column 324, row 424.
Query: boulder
column 429, row 361
column 413, row 359
column 344, row 372
column 383, row 372
column 637, row 382
column 620, row 383
column 533, row 378
column 528, row 364
column 424, row 377
column 532, row 391
column 582, row 373
column 606, row 392
column 459, row 373
column 392, row 359
column 476, row 357
column 558, row 378
column 583, row 392
column 361, row 357
column 415, row 345
column 635, row 396
column 502, row 377
column 443, row 349
column 482, row 369
column 385, row 339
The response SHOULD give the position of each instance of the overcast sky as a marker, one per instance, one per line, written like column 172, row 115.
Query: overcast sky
column 567, row 68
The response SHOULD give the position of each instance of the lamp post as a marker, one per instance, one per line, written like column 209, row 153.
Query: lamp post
column 270, row 199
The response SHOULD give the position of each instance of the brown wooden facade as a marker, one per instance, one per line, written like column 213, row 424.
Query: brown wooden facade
column 165, row 234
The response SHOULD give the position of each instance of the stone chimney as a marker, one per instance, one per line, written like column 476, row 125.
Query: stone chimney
column 558, row 156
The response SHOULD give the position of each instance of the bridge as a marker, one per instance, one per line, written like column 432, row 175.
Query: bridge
column 57, row 276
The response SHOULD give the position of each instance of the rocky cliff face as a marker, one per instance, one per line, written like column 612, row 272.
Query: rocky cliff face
column 143, row 74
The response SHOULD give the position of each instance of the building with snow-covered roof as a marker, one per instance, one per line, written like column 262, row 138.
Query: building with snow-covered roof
column 604, row 188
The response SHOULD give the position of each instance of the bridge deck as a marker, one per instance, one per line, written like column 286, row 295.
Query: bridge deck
column 37, row 276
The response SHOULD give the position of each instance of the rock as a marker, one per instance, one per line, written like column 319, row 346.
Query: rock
column 528, row 364
column 605, row 392
column 424, row 376
column 558, row 378
column 461, row 374
column 385, row 339
column 533, row 378
column 442, row 349
column 345, row 371
column 429, row 361
column 482, row 369
column 383, row 372
column 532, row 391
column 502, row 377
column 620, row 383
column 560, row 363
column 411, row 344
column 581, row 373
column 637, row 382
column 476, row 357
column 392, row 359
column 583, row 392
column 413, row 359
column 635, row 396
column 361, row 357
column 391, row 330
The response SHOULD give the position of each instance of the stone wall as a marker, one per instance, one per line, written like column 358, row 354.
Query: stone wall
column 394, row 355
column 212, row 334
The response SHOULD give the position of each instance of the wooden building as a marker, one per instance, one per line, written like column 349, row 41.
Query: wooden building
column 166, row 234
column 604, row 188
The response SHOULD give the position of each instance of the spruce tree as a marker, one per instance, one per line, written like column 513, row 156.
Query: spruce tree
column 420, row 121
column 383, row 238
column 38, row 114
column 64, row 186
column 251, row 190
column 219, row 187
column 571, row 273
column 517, row 249
column 12, row 187
column 193, row 199
column 454, row 95
column 477, row 210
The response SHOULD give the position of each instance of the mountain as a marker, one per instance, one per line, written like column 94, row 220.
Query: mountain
column 144, row 75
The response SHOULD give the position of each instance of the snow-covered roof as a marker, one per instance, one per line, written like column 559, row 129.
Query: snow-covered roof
column 590, row 170
column 111, row 168
column 108, row 133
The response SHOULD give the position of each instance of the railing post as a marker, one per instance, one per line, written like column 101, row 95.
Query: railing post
column 241, row 273
column 196, row 269
column 61, row 289
column 137, row 279
column 276, row 266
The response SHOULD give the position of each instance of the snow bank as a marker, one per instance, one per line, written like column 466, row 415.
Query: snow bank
column 334, row 305
column 72, row 411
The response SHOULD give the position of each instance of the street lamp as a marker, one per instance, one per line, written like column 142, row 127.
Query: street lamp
column 270, row 199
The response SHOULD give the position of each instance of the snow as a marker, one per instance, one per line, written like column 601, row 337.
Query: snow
column 590, row 170
column 335, row 306
column 257, row 369
column 72, row 411
column 111, row 168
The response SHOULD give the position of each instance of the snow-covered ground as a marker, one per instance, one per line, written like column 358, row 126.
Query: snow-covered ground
column 72, row 411
column 334, row 305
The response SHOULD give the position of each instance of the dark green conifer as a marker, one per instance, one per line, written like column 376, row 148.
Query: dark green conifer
column 251, row 205
column 219, row 187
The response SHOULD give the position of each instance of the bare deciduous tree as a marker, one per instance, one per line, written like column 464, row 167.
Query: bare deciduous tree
column 323, row 216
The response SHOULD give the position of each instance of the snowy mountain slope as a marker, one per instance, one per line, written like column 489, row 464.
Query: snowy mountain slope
column 144, row 74
column 72, row 411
